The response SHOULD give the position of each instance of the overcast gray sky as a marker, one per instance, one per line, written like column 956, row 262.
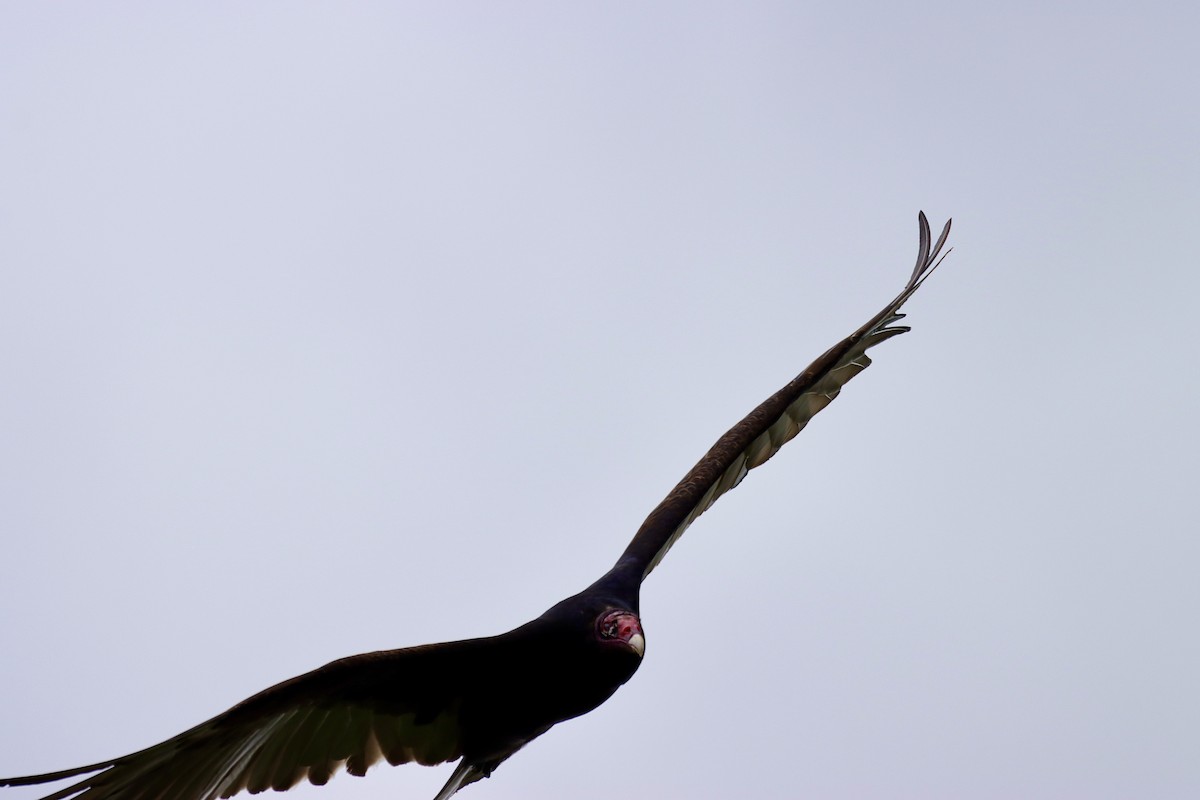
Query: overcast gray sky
column 333, row 327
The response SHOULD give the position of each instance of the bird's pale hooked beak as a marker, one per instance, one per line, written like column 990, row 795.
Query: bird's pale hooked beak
column 637, row 643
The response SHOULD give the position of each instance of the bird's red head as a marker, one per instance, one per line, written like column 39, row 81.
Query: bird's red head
column 622, row 629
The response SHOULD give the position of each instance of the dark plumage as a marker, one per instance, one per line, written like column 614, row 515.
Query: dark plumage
column 477, row 701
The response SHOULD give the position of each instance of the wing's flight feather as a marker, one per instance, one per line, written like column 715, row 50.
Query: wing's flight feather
column 398, row 704
column 766, row 429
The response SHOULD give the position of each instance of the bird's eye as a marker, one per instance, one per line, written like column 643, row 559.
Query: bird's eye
column 609, row 630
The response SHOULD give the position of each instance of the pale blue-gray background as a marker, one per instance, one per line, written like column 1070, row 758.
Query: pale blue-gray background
column 330, row 327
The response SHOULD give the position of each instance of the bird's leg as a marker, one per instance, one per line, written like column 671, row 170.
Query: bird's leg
column 464, row 773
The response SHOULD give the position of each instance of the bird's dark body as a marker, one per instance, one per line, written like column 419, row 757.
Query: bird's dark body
column 498, row 692
column 508, row 678
column 476, row 701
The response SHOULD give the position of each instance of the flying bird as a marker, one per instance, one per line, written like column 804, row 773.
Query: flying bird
column 475, row 701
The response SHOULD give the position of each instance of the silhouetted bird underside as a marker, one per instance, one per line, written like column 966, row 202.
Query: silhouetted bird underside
column 476, row 701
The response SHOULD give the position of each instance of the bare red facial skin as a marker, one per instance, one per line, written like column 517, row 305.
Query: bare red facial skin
column 621, row 627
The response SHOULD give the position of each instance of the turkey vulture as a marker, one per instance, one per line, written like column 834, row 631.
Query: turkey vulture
column 476, row 701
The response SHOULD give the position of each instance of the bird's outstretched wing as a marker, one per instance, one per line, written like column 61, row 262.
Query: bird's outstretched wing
column 399, row 705
column 780, row 417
